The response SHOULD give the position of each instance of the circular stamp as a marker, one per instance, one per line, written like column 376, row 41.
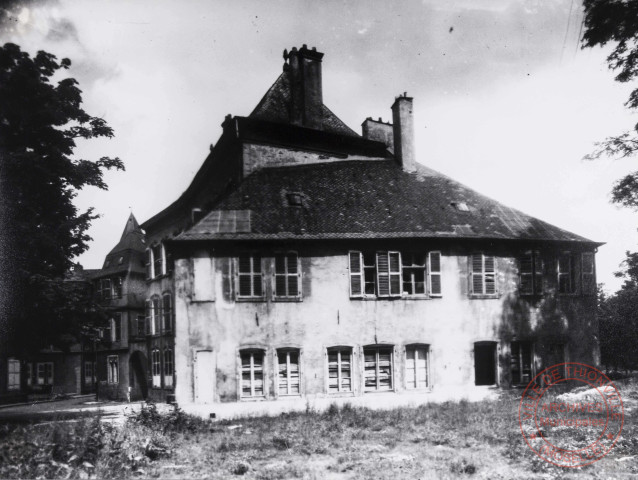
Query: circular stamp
column 571, row 427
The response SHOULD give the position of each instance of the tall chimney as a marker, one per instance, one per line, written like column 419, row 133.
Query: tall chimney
column 306, row 102
column 403, row 129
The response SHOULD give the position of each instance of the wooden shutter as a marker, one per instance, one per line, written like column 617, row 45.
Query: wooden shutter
column 489, row 273
column 526, row 271
column 294, row 275
column 538, row 273
column 383, row 275
column 356, row 274
column 434, row 272
column 394, row 262
column 476, row 264
column 588, row 273
column 149, row 264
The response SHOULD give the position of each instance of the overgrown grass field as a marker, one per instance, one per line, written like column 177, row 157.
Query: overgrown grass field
column 450, row 440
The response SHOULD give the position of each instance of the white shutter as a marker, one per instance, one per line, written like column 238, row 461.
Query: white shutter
column 490, row 274
column 476, row 265
column 356, row 274
column 383, row 275
column 394, row 271
column 588, row 272
column 434, row 273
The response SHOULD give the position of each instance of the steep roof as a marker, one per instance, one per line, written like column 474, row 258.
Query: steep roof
column 366, row 199
column 128, row 254
column 132, row 237
column 275, row 107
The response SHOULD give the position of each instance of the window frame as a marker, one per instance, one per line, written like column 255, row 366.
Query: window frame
column 156, row 368
column 484, row 275
column 250, row 353
column 253, row 275
column 289, row 377
column 340, row 350
column 416, row 347
column 116, row 327
column 13, row 377
column 583, row 274
column 523, row 379
column 168, row 367
column 166, row 323
column 392, row 373
column 113, row 374
column 570, row 274
column 48, row 368
column 89, row 367
column 412, row 268
column 287, row 275
column 116, row 287
column 156, row 318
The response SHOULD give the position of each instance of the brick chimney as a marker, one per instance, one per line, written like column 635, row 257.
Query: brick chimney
column 306, row 93
column 403, row 128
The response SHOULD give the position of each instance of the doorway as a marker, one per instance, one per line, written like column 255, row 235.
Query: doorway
column 137, row 376
column 485, row 363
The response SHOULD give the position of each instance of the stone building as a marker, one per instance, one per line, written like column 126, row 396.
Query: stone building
column 307, row 260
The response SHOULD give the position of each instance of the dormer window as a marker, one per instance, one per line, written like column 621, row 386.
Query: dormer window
column 460, row 206
column 120, row 260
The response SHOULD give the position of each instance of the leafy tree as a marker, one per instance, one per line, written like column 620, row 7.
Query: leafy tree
column 616, row 22
column 41, row 230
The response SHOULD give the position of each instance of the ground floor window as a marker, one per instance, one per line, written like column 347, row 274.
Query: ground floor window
column 485, row 363
column 378, row 368
column 13, row 371
column 339, row 369
column 89, row 373
column 156, row 368
column 45, row 373
column 168, row 367
column 521, row 363
column 112, row 368
column 29, row 374
column 416, row 366
column 252, row 373
column 288, row 372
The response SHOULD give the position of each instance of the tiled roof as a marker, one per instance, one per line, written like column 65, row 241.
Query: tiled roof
column 368, row 199
column 128, row 254
column 275, row 107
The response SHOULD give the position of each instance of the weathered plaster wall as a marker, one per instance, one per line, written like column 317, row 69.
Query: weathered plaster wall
column 328, row 317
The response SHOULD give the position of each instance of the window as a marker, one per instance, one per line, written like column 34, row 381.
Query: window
column 158, row 260
column 106, row 288
column 521, row 363
column 252, row 373
column 414, row 271
column 117, row 287
column 416, row 367
column 156, row 367
column 148, row 310
column 249, row 277
column 116, row 327
column 588, row 266
column 531, row 274
column 168, row 367
column 13, row 371
column 483, row 274
column 287, row 277
column 155, row 314
column 167, row 312
column 112, row 369
column 378, row 368
column 339, row 369
column 45, row 373
column 566, row 277
column 89, row 373
column 29, row 374
column 288, row 372
column 149, row 264
column 138, row 328
column 394, row 274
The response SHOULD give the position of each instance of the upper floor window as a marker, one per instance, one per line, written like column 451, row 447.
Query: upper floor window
column 287, row 277
column 566, row 273
column 588, row 271
column 138, row 329
column 482, row 274
column 116, row 327
column 250, row 277
column 108, row 288
column 531, row 274
column 153, row 315
column 167, row 312
column 252, row 373
column 395, row 274
column 117, row 287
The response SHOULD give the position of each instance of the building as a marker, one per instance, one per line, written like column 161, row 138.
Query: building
column 306, row 260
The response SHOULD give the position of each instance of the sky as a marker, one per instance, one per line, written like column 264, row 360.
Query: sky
column 505, row 101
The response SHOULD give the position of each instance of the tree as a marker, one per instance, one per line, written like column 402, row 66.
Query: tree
column 616, row 22
column 41, row 230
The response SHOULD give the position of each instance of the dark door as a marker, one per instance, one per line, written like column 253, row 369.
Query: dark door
column 485, row 363
column 137, row 374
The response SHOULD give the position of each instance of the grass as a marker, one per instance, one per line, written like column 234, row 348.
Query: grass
column 450, row 440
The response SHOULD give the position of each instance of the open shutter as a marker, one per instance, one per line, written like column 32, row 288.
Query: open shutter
column 538, row 274
column 490, row 275
column 383, row 275
column 434, row 272
column 149, row 264
column 477, row 274
column 527, row 274
column 394, row 261
column 356, row 274
column 589, row 277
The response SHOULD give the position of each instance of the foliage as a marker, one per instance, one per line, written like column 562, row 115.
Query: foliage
column 616, row 22
column 41, row 230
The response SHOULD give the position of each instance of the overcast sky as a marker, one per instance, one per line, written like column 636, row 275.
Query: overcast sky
column 505, row 100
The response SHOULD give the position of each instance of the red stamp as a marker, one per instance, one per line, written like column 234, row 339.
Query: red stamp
column 571, row 428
